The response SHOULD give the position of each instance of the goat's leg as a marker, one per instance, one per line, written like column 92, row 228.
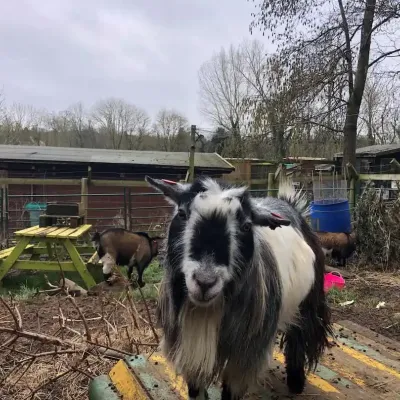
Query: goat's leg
column 227, row 393
column 130, row 270
column 197, row 393
column 295, row 357
column 108, row 264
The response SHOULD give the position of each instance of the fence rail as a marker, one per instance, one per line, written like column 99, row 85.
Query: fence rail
column 126, row 204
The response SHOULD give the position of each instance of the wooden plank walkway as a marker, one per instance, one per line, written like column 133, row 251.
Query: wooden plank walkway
column 360, row 365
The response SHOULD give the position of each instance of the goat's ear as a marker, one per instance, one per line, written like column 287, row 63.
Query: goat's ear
column 271, row 220
column 171, row 191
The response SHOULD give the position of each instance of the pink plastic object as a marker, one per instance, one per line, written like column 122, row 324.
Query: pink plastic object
column 334, row 279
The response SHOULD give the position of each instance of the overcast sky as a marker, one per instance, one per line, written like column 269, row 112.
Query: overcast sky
column 57, row 52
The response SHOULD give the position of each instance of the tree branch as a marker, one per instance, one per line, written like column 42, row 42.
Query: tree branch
column 348, row 53
column 382, row 56
column 322, row 125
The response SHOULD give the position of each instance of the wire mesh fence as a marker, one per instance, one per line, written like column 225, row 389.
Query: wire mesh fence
column 139, row 207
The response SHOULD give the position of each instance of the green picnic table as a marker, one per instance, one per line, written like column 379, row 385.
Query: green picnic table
column 36, row 241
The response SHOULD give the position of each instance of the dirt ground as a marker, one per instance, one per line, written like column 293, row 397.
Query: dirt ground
column 127, row 325
column 94, row 332
column 367, row 289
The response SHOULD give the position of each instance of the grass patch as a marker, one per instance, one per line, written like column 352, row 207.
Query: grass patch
column 152, row 276
column 153, row 273
column 23, row 293
column 336, row 296
column 25, row 285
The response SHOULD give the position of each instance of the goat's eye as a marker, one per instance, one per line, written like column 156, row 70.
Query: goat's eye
column 181, row 213
column 246, row 227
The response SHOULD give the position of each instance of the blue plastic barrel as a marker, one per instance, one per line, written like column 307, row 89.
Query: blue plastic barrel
column 35, row 210
column 331, row 216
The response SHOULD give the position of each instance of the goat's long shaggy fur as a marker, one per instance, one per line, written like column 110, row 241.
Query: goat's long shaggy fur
column 232, row 281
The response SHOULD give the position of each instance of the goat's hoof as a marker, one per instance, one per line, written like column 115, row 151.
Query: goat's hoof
column 141, row 284
column 107, row 278
column 296, row 383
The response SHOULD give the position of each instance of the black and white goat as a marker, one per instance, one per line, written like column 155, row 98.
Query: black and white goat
column 232, row 280
column 118, row 246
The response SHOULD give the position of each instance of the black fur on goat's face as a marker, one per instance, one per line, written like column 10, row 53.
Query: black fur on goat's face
column 211, row 237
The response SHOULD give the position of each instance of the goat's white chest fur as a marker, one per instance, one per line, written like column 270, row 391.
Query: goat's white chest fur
column 197, row 350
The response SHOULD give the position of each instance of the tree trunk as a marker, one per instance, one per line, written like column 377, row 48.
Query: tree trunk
column 356, row 95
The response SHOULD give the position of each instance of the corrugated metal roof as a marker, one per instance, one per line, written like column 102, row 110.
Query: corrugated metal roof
column 377, row 149
column 90, row 156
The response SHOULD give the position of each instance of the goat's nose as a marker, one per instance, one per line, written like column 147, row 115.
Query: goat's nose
column 205, row 282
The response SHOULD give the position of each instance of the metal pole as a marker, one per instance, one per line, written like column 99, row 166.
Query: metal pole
column 192, row 151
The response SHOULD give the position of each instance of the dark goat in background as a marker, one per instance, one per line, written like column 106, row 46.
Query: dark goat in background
column 118, row 246
column 340, row 246
column 237, row 270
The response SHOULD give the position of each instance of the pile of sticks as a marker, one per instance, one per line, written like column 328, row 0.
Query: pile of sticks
column 55, row 357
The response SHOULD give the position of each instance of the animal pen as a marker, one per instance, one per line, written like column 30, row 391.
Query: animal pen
column 358, row 366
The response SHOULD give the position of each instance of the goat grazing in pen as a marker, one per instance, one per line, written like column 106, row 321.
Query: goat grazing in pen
column 118, row 246
column 340, row 246
column 232, row 280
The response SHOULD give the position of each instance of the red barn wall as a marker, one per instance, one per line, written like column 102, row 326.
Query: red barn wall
column 105, row 205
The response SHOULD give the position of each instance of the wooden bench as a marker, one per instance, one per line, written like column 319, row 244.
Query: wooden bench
column 6, row 252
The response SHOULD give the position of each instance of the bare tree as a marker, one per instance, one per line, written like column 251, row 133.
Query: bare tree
column 19, row 119
column 380, row 111
column 140, row 126
column 59, row 127
column 169, row 127
column 78, row 123
column 340, row 41
column 272, row 103
column 223, row 88
column 120, row 121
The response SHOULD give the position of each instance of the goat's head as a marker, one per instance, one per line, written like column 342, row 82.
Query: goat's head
column 211, row 234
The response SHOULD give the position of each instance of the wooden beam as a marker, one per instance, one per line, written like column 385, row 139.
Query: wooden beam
column 379, row 177
column 70, row 182
column 271, row 184
column 278, row 171
column 351, row 171
column 89, row 174
column 84, row 196
column 98, row 182
column 395, row 165
column 36, row 181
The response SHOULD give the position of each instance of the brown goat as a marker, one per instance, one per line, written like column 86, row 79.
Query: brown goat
column 340, row 246
column 118, row 246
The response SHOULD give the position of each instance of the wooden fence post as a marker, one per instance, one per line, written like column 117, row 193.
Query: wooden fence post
column 84, row 197
column 129, row 211
column 353, row 175
column 352, row 194
column 271, row 186
column 192, row 151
